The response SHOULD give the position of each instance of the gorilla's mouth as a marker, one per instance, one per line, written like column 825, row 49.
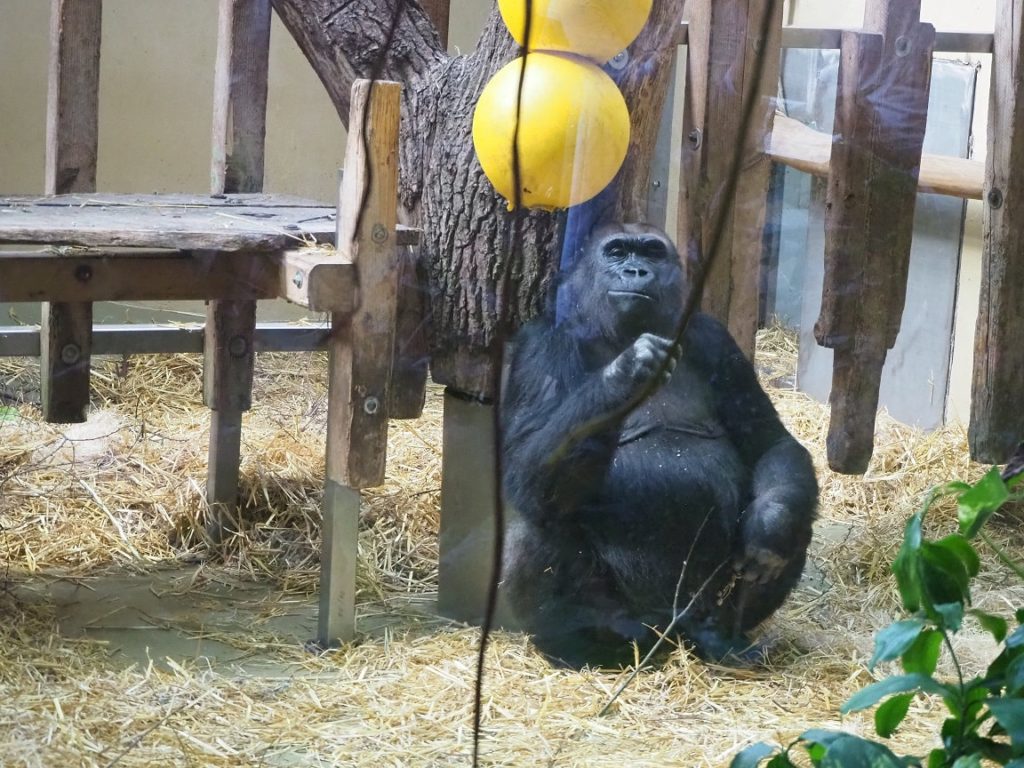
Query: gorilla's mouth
column 631, row 295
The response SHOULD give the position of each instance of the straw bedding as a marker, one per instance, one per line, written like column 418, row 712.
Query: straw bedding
column 123, row 494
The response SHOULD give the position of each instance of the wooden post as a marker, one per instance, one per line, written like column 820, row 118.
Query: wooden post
column 439, row 12
column 997, row 409
column 881, row 111
column 361, row 345
column 239, row 129
column 723, row 47
column 72, row 113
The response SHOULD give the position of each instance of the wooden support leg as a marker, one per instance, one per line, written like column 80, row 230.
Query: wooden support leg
column 337, row 618
column 65, row 346
column 856, row 380
column 997, row 413
column 72, row 116
column 227, row 391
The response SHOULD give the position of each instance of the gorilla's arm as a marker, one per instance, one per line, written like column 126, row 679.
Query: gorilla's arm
column 784, row 487
column 549, row 394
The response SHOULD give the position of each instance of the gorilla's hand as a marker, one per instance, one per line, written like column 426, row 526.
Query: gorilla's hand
column 767, row 540
column 638, row 364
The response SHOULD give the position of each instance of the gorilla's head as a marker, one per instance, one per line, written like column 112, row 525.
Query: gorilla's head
column 627, row 281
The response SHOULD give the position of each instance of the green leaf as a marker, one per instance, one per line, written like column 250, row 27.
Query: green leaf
column 1014, row 679
column 1010, row 714
column 937, row 758
column 752, row 756
column 968, row 761
column 923, row 655
column 821, row 736
column 943, row 575
column 996, row 626
column 895, row 640
column 961, row 548
column 1018, row 763
column 868, row 697
column 781, row 761
column 977, row 505
column 1016, row 638
column 906, row 566
column 950, row 615
column 854, row 752
column 891, row 713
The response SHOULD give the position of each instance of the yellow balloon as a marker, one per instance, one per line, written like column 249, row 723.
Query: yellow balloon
column 573, row 130
column 597, row 29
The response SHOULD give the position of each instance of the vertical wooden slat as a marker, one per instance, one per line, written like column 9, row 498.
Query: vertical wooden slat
column 881, row 112
column 72, row 116
column 997, row 410
column 723, row 48
column 360, row 347
column 239, row 130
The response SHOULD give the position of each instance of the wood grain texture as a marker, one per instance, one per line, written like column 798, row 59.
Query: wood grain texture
column 881, row 111
column 187, row 222
column 724, row 46
column 997, row 415
column 362, row 347
column 72, row 119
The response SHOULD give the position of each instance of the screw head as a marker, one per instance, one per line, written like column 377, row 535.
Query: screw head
column 299, row 278
column 371, row 405
column 70, row 354
column 379, row 234
column 238, row 346
column 903, row 46
column 83, row 273
column 619, row 61
column 995, row 197
column 696, row 138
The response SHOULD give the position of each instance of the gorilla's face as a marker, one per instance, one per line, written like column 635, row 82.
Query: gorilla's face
column 630, row 282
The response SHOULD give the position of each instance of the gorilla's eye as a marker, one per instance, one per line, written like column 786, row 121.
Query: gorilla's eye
column 615, row 250
column 655, row 249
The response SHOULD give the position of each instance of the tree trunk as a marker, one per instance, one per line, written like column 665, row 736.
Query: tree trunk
column 476, row 289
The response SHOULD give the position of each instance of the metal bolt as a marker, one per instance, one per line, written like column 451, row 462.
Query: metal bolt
column 995, row 197
column 70, row 354
column 371, row 405
column 619, row 61
column 696, row 138
column 238, row 346
column 656, row 184
column 83, row 273
column 299, row 278
column 379, row 234
column 902, row 46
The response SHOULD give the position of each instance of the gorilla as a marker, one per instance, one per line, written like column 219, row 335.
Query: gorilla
column 624, row 516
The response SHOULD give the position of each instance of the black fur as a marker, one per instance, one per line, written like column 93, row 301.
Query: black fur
column 603, row 532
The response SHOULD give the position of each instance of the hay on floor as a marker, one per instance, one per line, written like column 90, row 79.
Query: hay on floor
column 123, row 493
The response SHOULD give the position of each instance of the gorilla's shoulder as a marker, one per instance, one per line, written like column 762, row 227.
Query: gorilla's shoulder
column 708, row 340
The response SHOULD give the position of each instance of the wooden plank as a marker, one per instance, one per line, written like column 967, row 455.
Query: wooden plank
column 361, row 357
column 318, row 279
column 147, row 339
column 801, row 147
column 141, row 276
column 336, row 617
column 239, row 130
column 235, row 223
column 997, row 417
column 724, row 47
column 830, row 38
column 870, row 204
column 72, row 119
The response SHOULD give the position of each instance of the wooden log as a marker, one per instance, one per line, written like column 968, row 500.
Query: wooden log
column 72, row 118
column 239, row 129
column 723, row 47
column 869, row 218
column 997, row 415
column 360, row 347
column 439, row 12
column 799, row 146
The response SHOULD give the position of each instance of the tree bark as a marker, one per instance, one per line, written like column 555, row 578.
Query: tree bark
column 479, row 284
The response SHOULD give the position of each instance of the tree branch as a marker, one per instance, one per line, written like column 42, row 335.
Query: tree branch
column 345, row 39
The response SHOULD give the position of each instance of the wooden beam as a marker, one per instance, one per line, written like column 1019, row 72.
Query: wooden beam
column 997, row 415
column 361, row 346
column 318, row 279
column 801, row 147
column 239, row 129
column 869, row 218
column 72, row 119
column 439, row 12
column 723, row 46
